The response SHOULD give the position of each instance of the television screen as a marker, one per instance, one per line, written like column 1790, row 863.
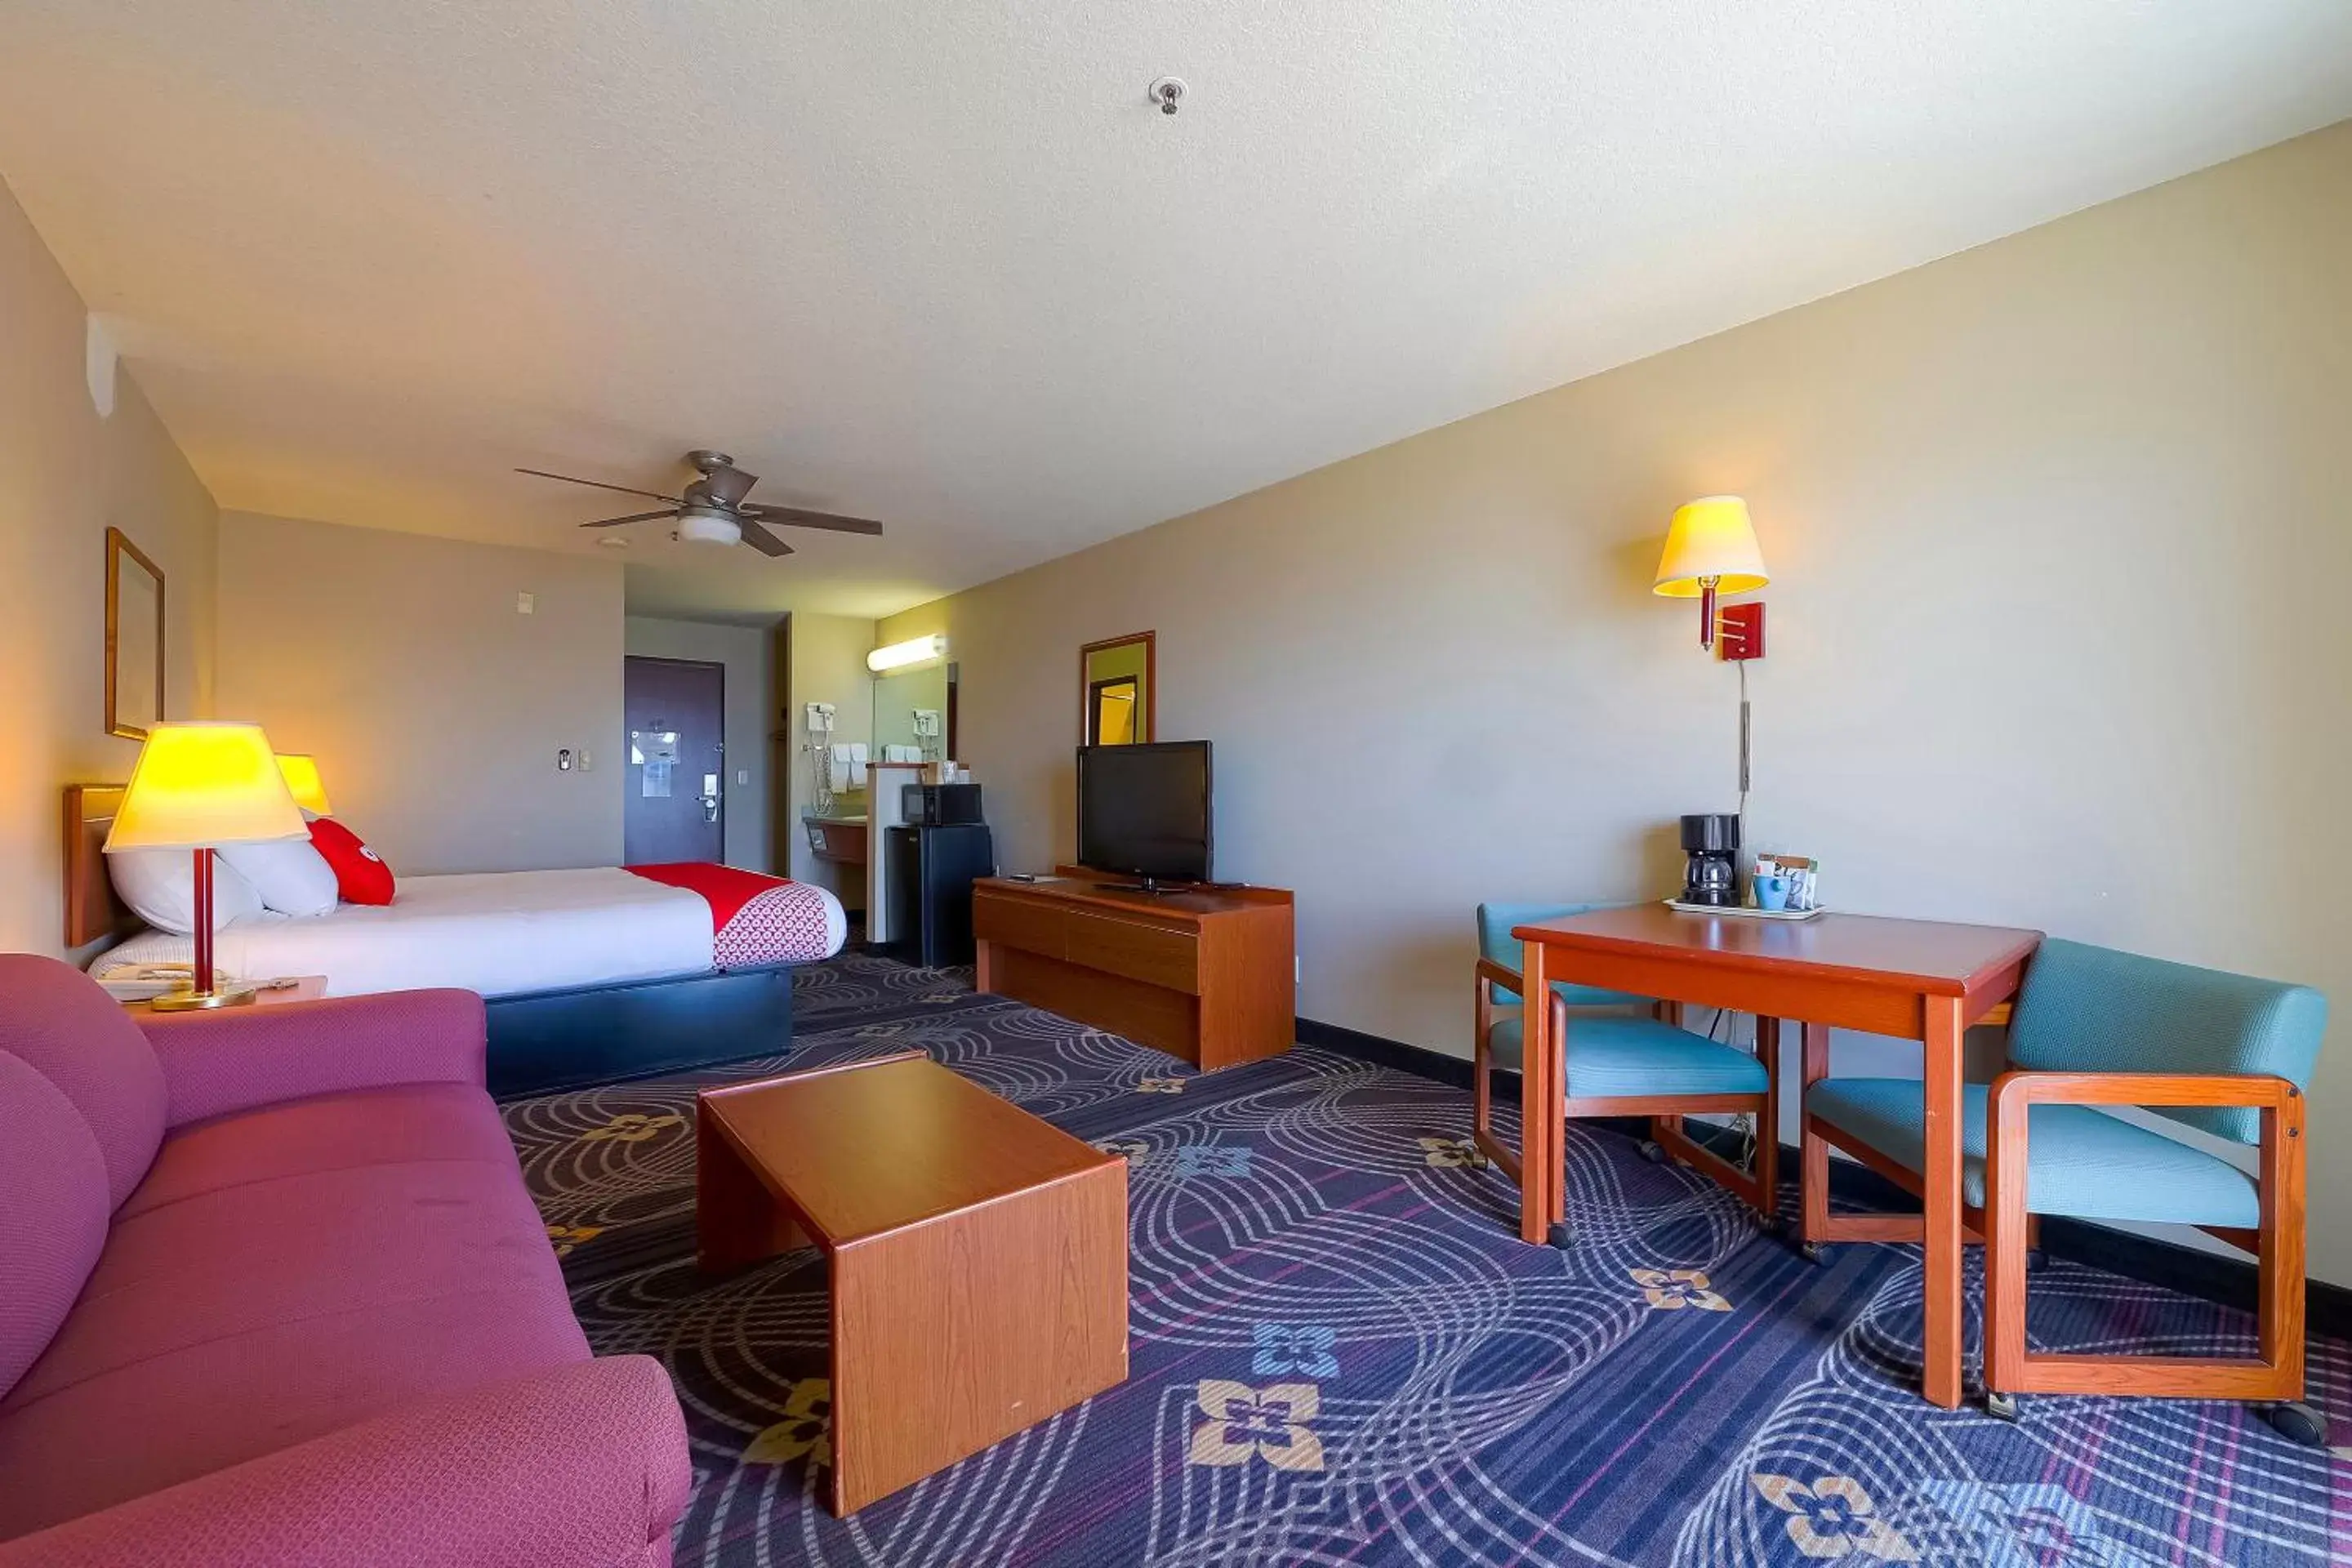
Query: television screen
column 1143, row 811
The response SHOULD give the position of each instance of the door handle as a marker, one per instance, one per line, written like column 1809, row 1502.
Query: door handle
column 709, row 808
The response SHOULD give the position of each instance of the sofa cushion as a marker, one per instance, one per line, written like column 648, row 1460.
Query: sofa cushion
column 283, row 1273
column 81, row 1040
column 53, row 1220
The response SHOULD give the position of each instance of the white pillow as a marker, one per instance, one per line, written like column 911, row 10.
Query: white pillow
column 160, row 886
column 291, row 876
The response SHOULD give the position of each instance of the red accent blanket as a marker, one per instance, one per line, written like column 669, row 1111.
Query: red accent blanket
column 754, row 918
column 723, row 888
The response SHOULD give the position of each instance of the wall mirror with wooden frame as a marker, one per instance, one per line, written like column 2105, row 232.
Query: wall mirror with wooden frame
column 134, row 639
column 1117, row 691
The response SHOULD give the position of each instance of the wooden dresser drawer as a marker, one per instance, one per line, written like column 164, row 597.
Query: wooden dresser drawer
column 1157, row 955
column 1016, row 922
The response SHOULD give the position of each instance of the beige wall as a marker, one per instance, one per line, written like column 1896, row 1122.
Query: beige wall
column 2061, row 530
column 828, row 666
column 750, row 673
column 435, row 709
column 66, row 475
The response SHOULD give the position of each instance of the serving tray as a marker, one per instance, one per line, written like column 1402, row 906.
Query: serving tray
column 1741, row 912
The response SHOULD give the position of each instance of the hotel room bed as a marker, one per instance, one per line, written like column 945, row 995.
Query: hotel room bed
column 506, row 934
column 590, row 975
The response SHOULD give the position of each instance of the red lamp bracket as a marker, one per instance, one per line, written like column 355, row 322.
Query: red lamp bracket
column 1739, row 631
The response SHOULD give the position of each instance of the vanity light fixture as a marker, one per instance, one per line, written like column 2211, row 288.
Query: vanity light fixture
column 908, row 654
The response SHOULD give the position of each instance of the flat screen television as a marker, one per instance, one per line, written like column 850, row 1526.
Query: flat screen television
column 1144, row 811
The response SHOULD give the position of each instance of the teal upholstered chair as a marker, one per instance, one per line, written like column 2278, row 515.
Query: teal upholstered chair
column 1625, row 1056
column 2095, row 1029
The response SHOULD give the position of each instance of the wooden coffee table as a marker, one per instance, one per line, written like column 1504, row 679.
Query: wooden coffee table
column 978, row 1254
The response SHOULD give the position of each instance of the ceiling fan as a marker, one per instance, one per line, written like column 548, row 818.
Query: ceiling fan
column 712, row 511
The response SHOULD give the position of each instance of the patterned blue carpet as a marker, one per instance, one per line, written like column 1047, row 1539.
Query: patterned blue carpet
column 1342, row 1354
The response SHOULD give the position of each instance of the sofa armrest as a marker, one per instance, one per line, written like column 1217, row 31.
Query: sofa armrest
column 236, row 1058
column 583, row 1466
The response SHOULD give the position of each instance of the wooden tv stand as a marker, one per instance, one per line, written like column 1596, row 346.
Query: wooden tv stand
column 1205, row 976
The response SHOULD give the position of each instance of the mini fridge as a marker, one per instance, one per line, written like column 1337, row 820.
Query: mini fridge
column 934, row 868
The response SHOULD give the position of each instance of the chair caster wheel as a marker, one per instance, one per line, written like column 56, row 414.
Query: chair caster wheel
column 1560, row 1234
column 2000, row 1406
column 2298, row 1423
column 1816, row 1252
column 2036, row 1260
column 1651, row 1153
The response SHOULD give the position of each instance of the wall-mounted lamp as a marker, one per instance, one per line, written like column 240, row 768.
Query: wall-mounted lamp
column 1711, row 550
column 907, row 654
column 302, row 782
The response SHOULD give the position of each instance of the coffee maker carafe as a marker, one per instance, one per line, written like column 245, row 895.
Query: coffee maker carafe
column 1711, row 840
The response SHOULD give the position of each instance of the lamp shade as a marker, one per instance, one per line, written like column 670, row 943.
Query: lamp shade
column 1711, row 537
column 197, row 785
column 302, row 776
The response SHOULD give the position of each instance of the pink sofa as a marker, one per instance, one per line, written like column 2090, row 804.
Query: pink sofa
column 272, row 1292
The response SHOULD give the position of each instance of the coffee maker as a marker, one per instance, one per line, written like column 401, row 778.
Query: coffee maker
column 1711, row 877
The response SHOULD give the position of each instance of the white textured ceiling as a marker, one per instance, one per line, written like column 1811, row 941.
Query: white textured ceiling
column 940, row 263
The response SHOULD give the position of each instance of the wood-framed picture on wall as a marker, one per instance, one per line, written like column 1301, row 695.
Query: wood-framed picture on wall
column 134, row 639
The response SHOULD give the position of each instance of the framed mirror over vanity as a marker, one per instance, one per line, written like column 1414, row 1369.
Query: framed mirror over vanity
column 1119, row 691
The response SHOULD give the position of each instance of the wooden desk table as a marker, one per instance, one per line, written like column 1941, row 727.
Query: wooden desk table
column 1914, row 979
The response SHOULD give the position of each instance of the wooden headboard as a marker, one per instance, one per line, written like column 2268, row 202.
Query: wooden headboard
column 92, row 911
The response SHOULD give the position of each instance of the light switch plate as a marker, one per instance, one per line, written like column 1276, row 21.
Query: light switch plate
column 742, row 775
column 525, row 602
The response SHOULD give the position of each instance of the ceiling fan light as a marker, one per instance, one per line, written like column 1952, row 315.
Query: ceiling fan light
column 706, row 526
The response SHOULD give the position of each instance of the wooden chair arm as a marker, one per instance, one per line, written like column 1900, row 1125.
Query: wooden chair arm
column 1493, row 973
column 2020, row 1088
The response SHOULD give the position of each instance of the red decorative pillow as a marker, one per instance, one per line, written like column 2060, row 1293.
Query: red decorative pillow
column 361, row 875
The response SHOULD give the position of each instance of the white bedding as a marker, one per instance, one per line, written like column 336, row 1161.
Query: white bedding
column 498, row 932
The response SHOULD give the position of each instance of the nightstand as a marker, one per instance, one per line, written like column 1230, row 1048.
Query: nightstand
column 305, row 988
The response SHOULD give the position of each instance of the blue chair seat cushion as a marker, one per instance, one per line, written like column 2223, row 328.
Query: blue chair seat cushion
column 2079, row 1161
column 1611, row 1057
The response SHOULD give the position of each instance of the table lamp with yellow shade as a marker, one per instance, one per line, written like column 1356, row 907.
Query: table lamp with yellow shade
column 198, row 785
column 1710, row 550
column 302, row 782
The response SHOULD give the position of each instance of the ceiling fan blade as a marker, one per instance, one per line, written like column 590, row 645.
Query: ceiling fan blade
column 760, row 540
column 601, row 485
column 793, row 517
column 633, row 517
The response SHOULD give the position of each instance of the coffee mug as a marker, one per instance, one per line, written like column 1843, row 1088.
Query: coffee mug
column 1771, row 892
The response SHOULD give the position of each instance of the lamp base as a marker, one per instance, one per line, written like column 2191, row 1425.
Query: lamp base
column 188, row 1001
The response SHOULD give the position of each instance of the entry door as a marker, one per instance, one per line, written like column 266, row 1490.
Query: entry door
column 674, row 807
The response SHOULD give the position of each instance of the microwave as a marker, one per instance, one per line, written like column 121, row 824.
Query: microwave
column 940, row 806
